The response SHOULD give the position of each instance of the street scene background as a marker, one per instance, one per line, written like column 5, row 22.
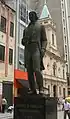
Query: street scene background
column 55, row 16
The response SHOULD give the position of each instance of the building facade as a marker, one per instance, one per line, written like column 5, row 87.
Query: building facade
column 67, row 4
column 21, row 17
column 7, row 43
column 55, row 67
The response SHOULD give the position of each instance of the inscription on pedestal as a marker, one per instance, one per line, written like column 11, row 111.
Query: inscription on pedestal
column 30, row 111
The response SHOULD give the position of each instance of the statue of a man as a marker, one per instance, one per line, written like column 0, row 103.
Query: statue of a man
column 35, row 41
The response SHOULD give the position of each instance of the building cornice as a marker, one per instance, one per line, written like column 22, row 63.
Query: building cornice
column 3, row 3
column 54, row 78
column 51, row 54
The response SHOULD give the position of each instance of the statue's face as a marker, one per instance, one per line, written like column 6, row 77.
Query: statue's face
column 32, row 17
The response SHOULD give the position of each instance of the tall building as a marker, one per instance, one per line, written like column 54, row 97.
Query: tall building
column 67, row 3
column 7, row 43
column 55, row 70
column 60, row 15
column 21, row 23
column 21, row 17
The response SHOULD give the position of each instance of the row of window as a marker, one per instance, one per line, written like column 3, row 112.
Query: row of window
column 54, row 90
column 2, row 54
column 3, row 26
column 54, row 70
column 64, row 28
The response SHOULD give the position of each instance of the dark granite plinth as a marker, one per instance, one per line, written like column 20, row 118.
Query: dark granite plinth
column 35, row 107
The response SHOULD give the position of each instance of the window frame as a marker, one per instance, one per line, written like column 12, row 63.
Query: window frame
column 3, row 24
column 10, row 56
column 11, row 30
column 2, row 53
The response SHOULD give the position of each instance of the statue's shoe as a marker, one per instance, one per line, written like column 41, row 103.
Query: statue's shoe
column 32, row 92
column 41, row 92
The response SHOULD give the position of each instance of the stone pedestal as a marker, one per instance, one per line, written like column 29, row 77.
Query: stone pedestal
column 35, row 107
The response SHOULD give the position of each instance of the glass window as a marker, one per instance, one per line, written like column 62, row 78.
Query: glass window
column 21, row 59
column 68, row 81
column 66, row 68
column 63, row 74
column 24, row 13
column 65, row 48
column 64, row 92
column 49, row 89
column 60, row 90
column 3, row 24
column 62, row 5
column 66, row 57
column 2, row 52
column 63, row 13
column 10, row 56
column 64, row 22
column 54, row 69
column 64, row 29
column 65, row 39
column 52, row 39
column 11, row 29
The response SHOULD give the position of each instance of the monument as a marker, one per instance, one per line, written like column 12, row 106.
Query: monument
column 34, row 40
column 33, row 105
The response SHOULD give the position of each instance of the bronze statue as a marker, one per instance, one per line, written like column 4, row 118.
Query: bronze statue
column 35, row 41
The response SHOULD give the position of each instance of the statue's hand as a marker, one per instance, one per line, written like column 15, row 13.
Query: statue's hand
column 42, row 52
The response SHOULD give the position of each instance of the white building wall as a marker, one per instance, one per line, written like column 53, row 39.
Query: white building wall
column 52, row 56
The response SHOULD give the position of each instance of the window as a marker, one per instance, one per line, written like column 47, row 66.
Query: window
column 65, row 49
column 64, row 29
column 64, row 22
column 66, row 68
column 62, row 5
column 68, row 82
column 23, row 13
column 63, row 74
column 45, row 83
column 10, row 56
column 52, row 39
column 66, row 57
column 63, row 13
column 2, row 52
column 60, row 90
column 11, row 29
column 49, row 89
column 65, row 39
column 64, row 92
column 3, row 24
column 54, row 69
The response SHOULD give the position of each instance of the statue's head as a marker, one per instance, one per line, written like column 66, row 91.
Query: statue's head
column 33, row 16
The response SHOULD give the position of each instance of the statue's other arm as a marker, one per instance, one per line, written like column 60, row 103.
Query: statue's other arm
column 43, row 40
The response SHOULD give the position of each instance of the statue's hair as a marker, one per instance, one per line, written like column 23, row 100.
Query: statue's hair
column 33, row 12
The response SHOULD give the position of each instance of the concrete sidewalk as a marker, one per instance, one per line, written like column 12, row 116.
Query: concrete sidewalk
column 60, row 115
column 6, row 115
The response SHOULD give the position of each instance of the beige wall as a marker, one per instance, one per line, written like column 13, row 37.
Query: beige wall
column 10, row 17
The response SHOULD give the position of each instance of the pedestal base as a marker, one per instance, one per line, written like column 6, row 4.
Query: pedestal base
column 35, row 107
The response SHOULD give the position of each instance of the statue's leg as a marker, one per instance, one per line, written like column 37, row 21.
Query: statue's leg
column 31, row 76
column 36, row 67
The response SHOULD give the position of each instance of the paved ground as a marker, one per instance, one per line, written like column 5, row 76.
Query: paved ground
column 60, row 115
column 10, row 116
column 6, row 116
